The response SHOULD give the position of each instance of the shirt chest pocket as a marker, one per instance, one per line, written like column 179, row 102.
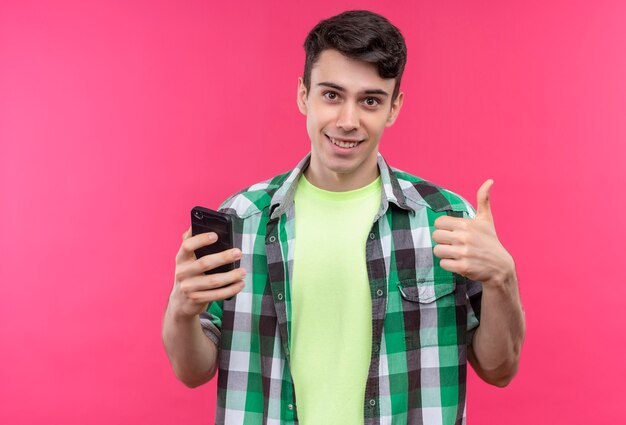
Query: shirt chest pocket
column 427, row 289
column 429, row 310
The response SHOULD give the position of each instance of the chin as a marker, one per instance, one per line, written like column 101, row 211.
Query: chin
column 344, row 168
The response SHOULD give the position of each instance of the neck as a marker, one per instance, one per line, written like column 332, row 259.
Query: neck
column 333, row 181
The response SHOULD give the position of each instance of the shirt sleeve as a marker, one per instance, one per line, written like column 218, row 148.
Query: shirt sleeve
column 211, row 321
column 474, row 295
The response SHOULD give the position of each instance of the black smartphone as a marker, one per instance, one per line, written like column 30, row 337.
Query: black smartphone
column 204, row 220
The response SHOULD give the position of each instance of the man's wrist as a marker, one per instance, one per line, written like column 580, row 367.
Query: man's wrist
column 505, row 281
column 178, row 316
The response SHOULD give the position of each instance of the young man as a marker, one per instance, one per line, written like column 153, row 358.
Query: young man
column 361, row 287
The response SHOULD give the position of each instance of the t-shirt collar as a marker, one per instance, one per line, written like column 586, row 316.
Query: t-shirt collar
column 392, row 192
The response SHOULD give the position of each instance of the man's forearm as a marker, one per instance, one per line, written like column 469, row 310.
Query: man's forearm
column 497, row 343
column 192, row 354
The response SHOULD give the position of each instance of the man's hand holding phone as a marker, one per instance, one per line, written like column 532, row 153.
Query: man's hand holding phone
column 205, row 272
column 193, row 289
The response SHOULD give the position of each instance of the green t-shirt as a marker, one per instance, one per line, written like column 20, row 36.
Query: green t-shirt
column 331, row 303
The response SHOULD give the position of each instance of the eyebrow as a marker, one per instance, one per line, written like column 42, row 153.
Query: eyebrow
column 341, row 89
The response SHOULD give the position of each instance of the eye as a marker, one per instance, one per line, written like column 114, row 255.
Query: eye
column 330, row 95
column 372, row 101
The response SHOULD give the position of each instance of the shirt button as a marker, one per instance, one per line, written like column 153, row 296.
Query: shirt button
column 372, row 402
column 372, row 236
column 279, row 296
column 379, row 292
column 272, row 238
column 290, row 406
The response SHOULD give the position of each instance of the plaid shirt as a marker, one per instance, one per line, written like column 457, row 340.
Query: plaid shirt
column 423, row 317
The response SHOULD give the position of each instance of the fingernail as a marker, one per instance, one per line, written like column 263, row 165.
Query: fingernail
column 237, row 253
column 212, row 237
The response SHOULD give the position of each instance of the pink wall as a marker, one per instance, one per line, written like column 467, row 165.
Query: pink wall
column 117, row 117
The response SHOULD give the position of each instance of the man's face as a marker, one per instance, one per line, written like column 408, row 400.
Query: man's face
column 347, row 109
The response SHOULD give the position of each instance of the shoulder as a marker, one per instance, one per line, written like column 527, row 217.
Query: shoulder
column 421, row 192
column 253, row 199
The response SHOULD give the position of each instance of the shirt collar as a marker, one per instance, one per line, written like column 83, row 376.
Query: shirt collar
column 392, row 192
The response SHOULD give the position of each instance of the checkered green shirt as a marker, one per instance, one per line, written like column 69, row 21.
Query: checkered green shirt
column 423, row 317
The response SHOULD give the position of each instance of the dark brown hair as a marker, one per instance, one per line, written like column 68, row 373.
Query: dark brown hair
column 361, row 35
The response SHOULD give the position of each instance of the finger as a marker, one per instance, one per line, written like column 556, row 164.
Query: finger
column 192, row 243
column 212, row 261
column 204, row 282
column 187, row 233
column 444, row 237
column 482, row 200
column 451, row 265
column 218, row 280
column 450, row 223
column 448, row 251
column 219, row 294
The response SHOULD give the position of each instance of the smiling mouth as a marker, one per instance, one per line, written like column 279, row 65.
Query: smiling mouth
column 341, row 143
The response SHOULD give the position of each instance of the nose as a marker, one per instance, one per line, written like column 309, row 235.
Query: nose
column 348, row 118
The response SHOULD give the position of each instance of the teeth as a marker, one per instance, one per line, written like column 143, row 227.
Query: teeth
column 342, row 144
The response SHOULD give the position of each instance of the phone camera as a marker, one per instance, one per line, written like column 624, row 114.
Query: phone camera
column 198, row 215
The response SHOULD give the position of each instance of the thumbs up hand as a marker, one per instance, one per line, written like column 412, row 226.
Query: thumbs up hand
column 470, row 247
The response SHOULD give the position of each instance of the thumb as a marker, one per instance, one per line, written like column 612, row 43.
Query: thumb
column 187, row 233
column 483, row 206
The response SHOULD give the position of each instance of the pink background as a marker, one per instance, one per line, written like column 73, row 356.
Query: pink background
column 116, row 118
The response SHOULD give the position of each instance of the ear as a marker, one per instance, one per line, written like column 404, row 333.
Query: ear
column 395, row 109
column 302, row 96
